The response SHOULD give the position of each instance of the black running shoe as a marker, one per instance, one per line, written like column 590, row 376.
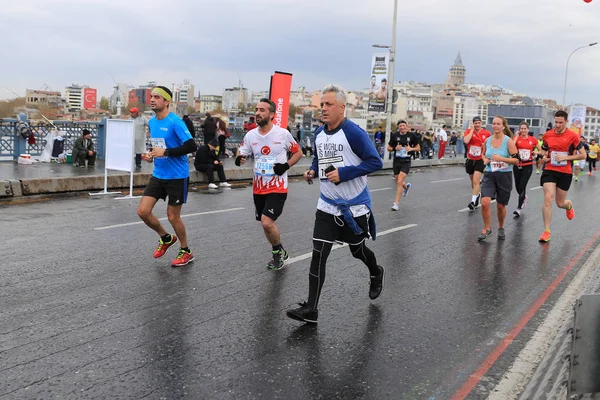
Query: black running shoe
column 484, row 236
column 477, row 200
column 279, row 259
column 472, row 206
column 376, row 286
column 304, row 313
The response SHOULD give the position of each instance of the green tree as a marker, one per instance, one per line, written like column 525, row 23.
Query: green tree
column 104, row 103
column 191, row 110
column 293, row 111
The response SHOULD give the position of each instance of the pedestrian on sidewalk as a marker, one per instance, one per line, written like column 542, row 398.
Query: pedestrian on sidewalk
column 222, row 135
column 140, row 123
column 443, row 140
column 171, row 143
column 209, row 128
column 207, row 161
column 453, row 141
column 83, row 150
column 344, row 156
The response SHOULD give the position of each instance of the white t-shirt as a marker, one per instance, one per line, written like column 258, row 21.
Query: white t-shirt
column 269, row 149
column 442, row 135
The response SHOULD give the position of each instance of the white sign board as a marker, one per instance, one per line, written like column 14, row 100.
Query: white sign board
column 119, row 144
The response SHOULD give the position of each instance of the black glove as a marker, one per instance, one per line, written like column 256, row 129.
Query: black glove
column 238, row 159
column 280, row 169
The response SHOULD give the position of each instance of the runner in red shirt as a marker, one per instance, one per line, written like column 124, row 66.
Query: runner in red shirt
column 474, row 138
column 560, row 146
column 522, row 171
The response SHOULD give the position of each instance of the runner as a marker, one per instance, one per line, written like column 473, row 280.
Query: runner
column 499, row 151
column 592, row 155
column 579, row 166
column 344, row 156
column 522, row 171
column 269, row 144
column 474, row 138
column 560, row 146
column 402, row 143
column 171, row 142
column 538, row 158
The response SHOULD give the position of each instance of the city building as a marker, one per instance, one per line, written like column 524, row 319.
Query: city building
column 120, row 96
column 210, row 102
column 592, row 123
column 45, row 98
column 183, row 93
column 80, row 97
column 140, row 96
column 456, row 76
column 465, row 108
column 538, row 117
column 233, row 98
column 256, row 96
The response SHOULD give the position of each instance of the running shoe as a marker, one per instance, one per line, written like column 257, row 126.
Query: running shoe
column 395, row 207
column 590, row 174
column 405, row 191
column 537, row 171
column 576, row 179
column 279, row 259
column 501, row 234
column 212, row 186
column 570, row 211
column 545, row 238
column 517, row 213
column 162, row 248
column 477, row 200
column 484, row 235
column 594, row 168
column 225, row 184
column 472, row 206
column 183, row 258
column 304, row 313
column 376, row 286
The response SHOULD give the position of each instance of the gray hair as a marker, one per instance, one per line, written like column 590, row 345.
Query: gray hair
column 339, row 91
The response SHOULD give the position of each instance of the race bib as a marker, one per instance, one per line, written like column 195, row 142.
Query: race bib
column 524, row 154
column 402, row 152
column 158, row 143
column 264, row 165
column 475, row 151
column 498, row 165
column 554, row 161
column 325, row 163
column 592, row 153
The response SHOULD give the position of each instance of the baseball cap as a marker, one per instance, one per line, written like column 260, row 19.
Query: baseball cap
column 213, row 142
column 477, row 118
column 133, row 109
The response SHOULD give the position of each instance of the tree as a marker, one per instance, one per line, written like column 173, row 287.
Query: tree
column 218, row 110
column 191, row 110
column 7, row 108
column 241, row 107
column 104, row 103
column 292, row 113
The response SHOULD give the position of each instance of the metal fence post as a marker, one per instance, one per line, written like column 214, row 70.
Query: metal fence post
column 101, row 139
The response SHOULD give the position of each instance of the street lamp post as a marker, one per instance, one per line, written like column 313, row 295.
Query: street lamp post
column 567, row 70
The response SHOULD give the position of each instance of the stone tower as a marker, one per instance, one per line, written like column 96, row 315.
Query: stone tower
column 456, row 76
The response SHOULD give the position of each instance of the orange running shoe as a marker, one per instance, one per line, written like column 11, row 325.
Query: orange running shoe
column 545, row 238
column 183, row 258
column 162, row 248
column 570, row 211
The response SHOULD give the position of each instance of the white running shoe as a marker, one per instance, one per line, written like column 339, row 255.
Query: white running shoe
column 212, row 186
column 225, row 184
column 395, row 207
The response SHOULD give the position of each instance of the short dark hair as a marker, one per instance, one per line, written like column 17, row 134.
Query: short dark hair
column 271, row 104
column 384, row 80
column 561, row 113
column 85, row 132
column 401, row 122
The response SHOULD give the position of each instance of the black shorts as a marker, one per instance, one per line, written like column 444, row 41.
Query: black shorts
column 539, row 156
column 497, row 185
column 270, row 205
column 474, row 165
column 401, row 166
column 176, row 189
column 330, row 228
column 562, row 180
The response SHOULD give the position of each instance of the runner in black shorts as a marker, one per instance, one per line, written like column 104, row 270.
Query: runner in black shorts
column 402, row 143
column 270, row 205
column 171, row 142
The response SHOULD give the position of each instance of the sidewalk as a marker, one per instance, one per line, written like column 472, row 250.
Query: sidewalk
column 18, row 180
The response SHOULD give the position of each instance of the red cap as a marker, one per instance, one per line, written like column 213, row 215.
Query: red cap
column 133, row 109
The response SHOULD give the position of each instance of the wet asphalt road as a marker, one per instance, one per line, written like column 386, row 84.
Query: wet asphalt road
column 88, row 313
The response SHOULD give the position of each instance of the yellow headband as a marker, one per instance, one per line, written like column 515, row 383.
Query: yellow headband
column 161, row 92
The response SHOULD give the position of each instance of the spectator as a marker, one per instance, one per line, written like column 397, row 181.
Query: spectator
column 222, row 135
column 427, row 149
column 251, row 125
column 380, row 142
column 442, row 137
column 84, row 150
column 453, row 142
column 140, row 123
column 207, row 161
column 190, row 125
column 308, row 146
column 209, row 128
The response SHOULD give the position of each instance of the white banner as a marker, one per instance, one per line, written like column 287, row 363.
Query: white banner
column 577, row 119
column 378, row 89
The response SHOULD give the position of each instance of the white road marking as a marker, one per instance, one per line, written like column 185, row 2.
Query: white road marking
column 339, row 246
column 536, row 188
column 165, row 218
column 379, row 190
column 449, row 180
column 478, row 207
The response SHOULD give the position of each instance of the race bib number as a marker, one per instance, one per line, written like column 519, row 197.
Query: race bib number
column 524, row 154
column 498, row 165
column 475, row 151
column 592, row 153
column 158, row 143
column 555, row 162
column 402, row 152
column 264, row 165
column 325, row 163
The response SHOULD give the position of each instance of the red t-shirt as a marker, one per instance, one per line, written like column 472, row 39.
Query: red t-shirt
column 560, row 144
column 475, row 145
column 525, row 147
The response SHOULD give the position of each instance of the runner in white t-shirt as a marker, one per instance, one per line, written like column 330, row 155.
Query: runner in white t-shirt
column 270, row 145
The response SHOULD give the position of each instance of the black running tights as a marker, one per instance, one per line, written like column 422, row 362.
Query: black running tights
column 522, row 176
column 320, row 253
column 591, row 163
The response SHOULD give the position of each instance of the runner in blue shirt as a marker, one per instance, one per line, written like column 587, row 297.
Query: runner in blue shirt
column 171, row 142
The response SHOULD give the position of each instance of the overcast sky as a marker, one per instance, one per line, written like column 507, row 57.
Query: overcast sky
column 518, row 44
